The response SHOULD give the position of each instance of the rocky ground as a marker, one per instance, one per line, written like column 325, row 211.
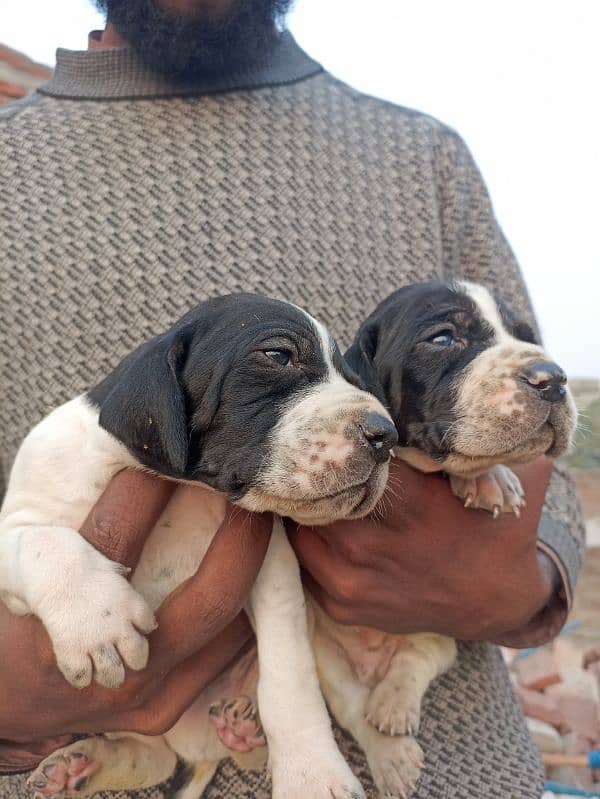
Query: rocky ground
column 559, row 685
column 586, row 467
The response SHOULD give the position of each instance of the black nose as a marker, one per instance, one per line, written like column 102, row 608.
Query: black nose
column 548, row 379
column 381, row 435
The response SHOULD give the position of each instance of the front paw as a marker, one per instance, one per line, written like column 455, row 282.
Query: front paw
column 66, row 773
column 394, row 708
column 313, row 774
column 100, row 630
column 396, row 765
column 498, row 491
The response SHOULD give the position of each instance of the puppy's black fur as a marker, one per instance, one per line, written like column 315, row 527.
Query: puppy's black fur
column 199, row 401
column 412, row 351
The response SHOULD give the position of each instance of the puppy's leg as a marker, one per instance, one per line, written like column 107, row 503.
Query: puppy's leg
column 96, row 764
column 202, row 775
column 395, row 762
column 394, row 706
column 498, row 490
column 303, row 756
column 95, row 619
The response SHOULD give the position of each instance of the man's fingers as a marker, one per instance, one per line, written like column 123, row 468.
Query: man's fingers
column 314, row 553
column 125, row 514
column 199, row 608
column 180, row 687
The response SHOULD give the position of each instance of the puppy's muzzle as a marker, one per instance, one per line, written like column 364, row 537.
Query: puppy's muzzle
column 380, row 434
column 547, row 379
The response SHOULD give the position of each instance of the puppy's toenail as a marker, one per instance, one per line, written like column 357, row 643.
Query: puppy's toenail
column 80, row 784
column 76, row 755
column 39, row 783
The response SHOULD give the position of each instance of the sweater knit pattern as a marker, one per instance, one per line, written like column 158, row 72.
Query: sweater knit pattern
column 118, row 216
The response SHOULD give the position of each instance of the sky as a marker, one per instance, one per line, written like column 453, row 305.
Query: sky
column 516, row 78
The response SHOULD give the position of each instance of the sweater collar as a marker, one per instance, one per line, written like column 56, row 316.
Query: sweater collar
column 118, row 74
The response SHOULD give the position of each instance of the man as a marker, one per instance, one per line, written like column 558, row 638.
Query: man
column 194, row 149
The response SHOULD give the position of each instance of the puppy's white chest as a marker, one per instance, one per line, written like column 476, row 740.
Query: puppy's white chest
column 178, row 542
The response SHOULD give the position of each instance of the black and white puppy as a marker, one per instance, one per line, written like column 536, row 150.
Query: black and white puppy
column 249, row 397
column 468, row 387
column 470, row 391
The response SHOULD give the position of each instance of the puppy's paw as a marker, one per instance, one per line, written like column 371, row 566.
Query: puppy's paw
column 313, row 772
column 396, row 765
column 498, row 491
column 98, row 626
column 66, row 773
column 237, row 723
column 394, row 708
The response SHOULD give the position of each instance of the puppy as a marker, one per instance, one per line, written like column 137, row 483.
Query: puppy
column 249, row 397
column 470, row 392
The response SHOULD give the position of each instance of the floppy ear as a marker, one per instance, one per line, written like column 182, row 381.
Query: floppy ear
column 517, row 328
column 143, row 405
column 360, row 357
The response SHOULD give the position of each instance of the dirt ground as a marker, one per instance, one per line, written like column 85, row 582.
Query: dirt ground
column 586, row 609
column 586, row 460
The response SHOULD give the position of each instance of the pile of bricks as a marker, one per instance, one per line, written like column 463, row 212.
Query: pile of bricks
column 19, row 74
column 558, row 688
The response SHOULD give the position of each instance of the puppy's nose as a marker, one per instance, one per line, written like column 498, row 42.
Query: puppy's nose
column 548, row 379
column 381, row 435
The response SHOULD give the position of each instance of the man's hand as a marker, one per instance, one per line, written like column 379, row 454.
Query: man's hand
column 422, row 562
column 200, row 631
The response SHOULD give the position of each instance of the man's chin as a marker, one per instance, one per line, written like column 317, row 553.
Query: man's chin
column 192, row 45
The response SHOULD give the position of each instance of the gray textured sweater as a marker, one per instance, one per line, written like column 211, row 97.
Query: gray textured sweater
column 127, row 199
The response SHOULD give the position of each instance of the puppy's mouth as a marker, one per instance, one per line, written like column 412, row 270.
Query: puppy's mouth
column 351, row 502
column 543, row 440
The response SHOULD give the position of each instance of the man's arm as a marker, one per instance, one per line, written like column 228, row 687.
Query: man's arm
column 476, row 249
column 201, row 631
column 426, row 563
column 423, row 562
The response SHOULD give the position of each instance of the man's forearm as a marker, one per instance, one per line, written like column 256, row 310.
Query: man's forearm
column 18, row 758
column 550, row 619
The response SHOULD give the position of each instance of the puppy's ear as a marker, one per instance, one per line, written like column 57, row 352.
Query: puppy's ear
column 360, row 357
column 516, row 327
column 143, row 404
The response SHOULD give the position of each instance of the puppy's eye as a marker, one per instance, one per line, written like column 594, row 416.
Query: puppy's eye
column 280, row 357
column 445, row 338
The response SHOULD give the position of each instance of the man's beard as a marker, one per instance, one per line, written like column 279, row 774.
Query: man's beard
column 191, row 45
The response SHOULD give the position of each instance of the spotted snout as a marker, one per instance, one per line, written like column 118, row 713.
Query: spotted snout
column 513, row 405
column 328, row 456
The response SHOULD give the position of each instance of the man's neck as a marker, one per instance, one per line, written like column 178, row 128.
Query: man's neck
column 110, row 69
column 106, row 39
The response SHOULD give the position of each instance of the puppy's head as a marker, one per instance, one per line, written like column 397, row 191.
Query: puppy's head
column 251, row 396
column 464, row 378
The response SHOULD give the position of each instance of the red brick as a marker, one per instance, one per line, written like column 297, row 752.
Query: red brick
column 539, row 706
column 538, row 670
column 568, row 659
column 545, row 737
column 590, row 657
column 581, row 715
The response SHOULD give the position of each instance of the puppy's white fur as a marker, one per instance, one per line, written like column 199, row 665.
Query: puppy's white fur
column 96, row 618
